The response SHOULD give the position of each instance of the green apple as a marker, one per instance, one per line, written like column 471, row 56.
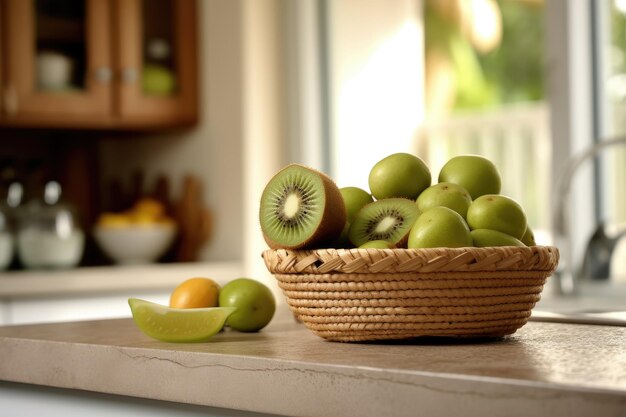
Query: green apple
column 157, row 80
column 354, row 198
column 440, row 227
column 485, row 237
column 529, row 237
column 254, row 302
column 477, row 174
column 377, row 244
column 399, row 175
column 445, row 194
column 497, row 212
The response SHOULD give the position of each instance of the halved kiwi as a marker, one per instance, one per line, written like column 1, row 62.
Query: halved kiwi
column 389, row 219
column 301, row 208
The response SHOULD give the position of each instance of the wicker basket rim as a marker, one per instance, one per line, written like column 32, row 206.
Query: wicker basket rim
column 432, row 260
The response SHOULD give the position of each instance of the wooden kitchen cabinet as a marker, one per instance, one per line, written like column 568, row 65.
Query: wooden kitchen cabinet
column 101, row 64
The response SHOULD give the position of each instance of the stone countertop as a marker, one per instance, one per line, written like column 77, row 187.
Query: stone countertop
column 544, row 369
column 109, row 279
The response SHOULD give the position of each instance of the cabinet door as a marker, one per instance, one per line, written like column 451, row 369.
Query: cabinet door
column 2, row 60
column 58, row 61
column 157, row 62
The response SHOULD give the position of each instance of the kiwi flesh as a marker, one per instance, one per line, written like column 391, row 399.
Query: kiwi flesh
column 388, row 219
column 301, row 208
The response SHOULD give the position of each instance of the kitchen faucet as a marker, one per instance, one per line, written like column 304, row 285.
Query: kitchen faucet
column 567, row 277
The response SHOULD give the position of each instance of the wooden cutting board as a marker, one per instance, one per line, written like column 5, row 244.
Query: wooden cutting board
column 194, row 220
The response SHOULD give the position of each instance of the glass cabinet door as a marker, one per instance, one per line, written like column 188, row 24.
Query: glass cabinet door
column 2, row 18
column 159, row 73
column 58, row 58
column 157, row 60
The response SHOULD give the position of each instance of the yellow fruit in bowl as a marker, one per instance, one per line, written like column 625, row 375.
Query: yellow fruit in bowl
column 142, row 219
column 147, row 207
column 112, row 220
column 195, row 293
column 146, row 212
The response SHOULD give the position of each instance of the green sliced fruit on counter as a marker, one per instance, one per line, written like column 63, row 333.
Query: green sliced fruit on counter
column 177, row 324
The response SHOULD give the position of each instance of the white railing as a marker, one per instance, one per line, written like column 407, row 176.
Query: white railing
column 516, row 138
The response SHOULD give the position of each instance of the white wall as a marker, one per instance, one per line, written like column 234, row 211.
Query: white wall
column 376, row 80
column 265, row 148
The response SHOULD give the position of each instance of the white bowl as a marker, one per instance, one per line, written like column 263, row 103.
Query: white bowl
column 135, row 244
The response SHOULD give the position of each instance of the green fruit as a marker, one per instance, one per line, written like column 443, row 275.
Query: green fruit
column 354, row 199
column 478, row 175
column 389, row 220
column 343, row 241
column 178, row 324
column 157, row 80
column 485, row 238
column 254, row 302
column 529, row 237
column 440, row 227
column 399, row 175
column 445, row 194
column 376, row 244
column 497, row 212
column 301, row 208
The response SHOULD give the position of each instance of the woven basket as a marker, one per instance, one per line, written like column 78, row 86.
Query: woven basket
column 352, row 295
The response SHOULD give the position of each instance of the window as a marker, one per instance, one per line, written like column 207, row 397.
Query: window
column 610, row 27
column 485, row 93
column 509, row 79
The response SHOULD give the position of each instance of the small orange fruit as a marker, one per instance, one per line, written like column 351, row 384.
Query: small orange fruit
column 195, row 293
column 114, row 220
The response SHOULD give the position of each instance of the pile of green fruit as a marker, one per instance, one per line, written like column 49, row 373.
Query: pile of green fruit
column 302, row 208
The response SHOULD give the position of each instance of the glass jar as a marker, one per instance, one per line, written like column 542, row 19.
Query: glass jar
column 7, row 243
column 48, row 233
column 7, row 224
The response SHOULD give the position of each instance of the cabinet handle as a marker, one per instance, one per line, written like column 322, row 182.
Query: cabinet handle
column 104, row 75
column 11, row 102
column 129, row 75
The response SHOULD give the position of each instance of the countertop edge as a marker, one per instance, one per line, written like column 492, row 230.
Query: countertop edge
column 288, row 387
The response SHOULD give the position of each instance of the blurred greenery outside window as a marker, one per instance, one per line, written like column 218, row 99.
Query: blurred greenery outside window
column 613, row 51
column 616, row 83
column 483, row 53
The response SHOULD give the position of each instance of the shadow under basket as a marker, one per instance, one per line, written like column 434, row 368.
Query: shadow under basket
column 353, row 295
